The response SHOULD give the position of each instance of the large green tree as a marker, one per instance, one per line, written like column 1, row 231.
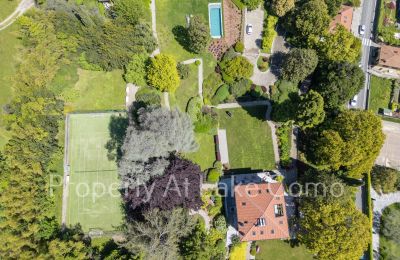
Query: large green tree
column 310, row 110
column 135, row 70
column 350, row 142
column 131, row 11
column 162, row 73
column 341, row 45
column 281, row 7
column 298, row 64
column 198, row 34
column 333, row 6
column 338, row 82
column 384, row 179
column 236, row 68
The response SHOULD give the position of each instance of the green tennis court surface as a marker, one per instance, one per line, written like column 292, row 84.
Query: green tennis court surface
column 94, row 200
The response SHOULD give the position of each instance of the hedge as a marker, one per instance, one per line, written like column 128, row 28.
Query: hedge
column 221, row 94
column 284, row 143
column 213, row 175
column 269, row 33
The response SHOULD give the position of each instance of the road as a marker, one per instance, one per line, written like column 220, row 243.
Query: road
column 367, row 19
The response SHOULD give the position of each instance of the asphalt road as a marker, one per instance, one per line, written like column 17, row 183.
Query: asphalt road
column 367, row 19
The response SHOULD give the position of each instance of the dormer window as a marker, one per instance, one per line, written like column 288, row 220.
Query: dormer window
column 278, row 210
column 261, row 222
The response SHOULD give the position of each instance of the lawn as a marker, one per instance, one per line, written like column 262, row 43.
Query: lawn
column 94, row 200
column 281, row 250
column 205, row 156
column 9, row 45
column 86, row 90
column 188, row 88
column 380, row 91
column 171, row 17
column 249, row 138
column 7, row 8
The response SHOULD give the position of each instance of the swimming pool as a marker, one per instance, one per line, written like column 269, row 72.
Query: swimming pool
column 215, row 19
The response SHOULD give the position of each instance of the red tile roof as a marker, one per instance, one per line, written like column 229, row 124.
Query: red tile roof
column 389, row 56
column 256, row 205
column 344, row 17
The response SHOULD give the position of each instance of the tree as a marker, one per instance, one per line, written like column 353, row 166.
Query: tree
column 340, row 46
column 311, row 19
column 158, row 234
column 162, row 73
column 310, row 111
column 281, row 7
column 329, row 229
column 179, row 186
column 338, row 82
column 299, row 64
column 239, row 88
column 236, row 68
column 135, row 70
column 333, row 6
column 350, row 142
column 385, row 180
column 150, row 139
column 252, row 4
column 130, row 11
column 198, row 34
column 391, row 222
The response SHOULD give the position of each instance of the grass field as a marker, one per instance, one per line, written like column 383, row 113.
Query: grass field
column 171, row 14
column 7, row 8
column 188, row 88
column 9, row 45
column 379, row 93
column 205, row 156
column 249, row 138
column 281, row 250
column 94, row 200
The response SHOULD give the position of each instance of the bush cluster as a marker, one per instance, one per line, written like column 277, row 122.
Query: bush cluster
column 269, row 33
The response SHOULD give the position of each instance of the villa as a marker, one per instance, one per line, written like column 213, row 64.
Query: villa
column 344, row 17
column 388, row 61
column 261, row 211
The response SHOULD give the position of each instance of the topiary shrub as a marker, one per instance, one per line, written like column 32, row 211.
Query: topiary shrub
column 219, row 223
column 183, row 70
column 239, row 47
column 213, row 175
column 193, row 108
column 197, row 63
column 221, row 94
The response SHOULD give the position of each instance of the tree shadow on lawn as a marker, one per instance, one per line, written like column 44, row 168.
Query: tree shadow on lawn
column 181, row 36
column 117, row 128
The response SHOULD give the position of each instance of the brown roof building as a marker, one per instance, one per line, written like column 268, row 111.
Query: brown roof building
column 261, row 211
column 344, row 17
column 389, row 57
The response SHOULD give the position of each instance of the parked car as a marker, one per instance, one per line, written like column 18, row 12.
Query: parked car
column 249, row 28
column 362, row 29
column 353, row 101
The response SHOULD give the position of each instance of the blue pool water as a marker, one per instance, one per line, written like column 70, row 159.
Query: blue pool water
column 215, row 20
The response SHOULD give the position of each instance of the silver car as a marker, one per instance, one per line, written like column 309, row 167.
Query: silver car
column 249, row 28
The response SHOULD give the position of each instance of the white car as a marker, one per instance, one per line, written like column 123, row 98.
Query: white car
column 362, row 29
column 249, row 28
column 353, row 102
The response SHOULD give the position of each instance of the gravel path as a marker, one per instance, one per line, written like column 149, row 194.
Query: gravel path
column 154, row 25
column 166, row 100
column 204, row 215
column 21, row 9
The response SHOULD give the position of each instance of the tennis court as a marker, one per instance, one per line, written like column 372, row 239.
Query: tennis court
column 93, row 197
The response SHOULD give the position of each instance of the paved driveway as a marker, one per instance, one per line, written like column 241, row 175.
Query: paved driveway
column 390, row 152
column 252, row 42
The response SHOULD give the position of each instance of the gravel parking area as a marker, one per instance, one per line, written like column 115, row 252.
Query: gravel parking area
column 390, row 152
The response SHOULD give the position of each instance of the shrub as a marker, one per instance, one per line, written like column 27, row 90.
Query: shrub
column 135, row 70
column 183, row 70
column 194, row 108
column 217, row 165
column 221, row 95
column 257, row 92
column 237, row 68
column 229, row 54
column 211, row 84
column 252, row 4
column 238, row 251
column 235, row 240
column 220, row 223
column 148, row 97
column 239, row 47
column 213, row 175
column 284, row 137
column 206, row 124
column 253, row 249
column 162, row 73
column 197, row 63
column 385, row 180
column 239, row 88
column 269, row 33
column 84, row 64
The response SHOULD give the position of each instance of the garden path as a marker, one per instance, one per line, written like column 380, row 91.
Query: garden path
column 204, row 215
column 166, row 100
column 154, row 25
column 380, row 202
column 21, row 9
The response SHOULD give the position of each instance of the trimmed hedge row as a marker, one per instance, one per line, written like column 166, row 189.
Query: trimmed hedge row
column 269, row 33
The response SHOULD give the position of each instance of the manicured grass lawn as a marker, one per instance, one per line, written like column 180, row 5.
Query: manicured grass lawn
column 205, row 156
column 249, row 138
column 188, row 89
column 379, row 93
column 95, row 90
column 9, row 44
column 7, row 8
column 94, row 200
column 281, row 250
column 170, row 15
